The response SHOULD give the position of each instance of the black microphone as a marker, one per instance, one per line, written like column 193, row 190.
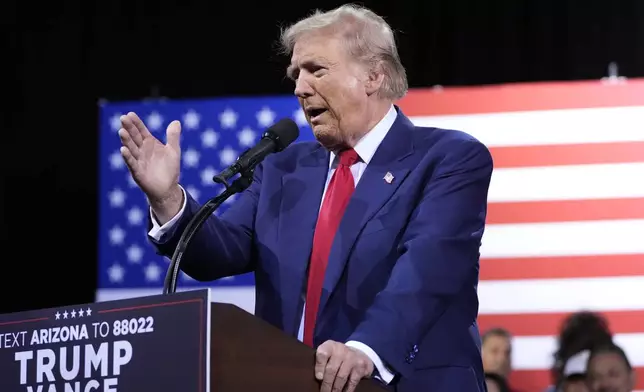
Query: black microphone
column 275, row 139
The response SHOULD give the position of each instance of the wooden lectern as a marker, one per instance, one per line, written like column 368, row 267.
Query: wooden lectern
column 162, row 343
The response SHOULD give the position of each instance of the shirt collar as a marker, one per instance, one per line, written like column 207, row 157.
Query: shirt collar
column 369, row 143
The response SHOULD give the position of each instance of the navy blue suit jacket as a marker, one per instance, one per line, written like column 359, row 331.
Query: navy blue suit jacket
column 403, row 271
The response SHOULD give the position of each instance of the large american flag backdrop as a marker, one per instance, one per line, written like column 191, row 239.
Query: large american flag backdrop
column 566, row 204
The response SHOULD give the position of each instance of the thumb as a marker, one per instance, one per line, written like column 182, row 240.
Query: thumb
column 173, row 135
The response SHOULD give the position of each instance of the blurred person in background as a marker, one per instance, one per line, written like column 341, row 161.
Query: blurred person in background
column 496, row 383
column 579, row 332
column 496, row 349
column 573, row 376
column 609, row 370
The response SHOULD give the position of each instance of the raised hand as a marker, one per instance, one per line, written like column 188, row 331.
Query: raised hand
column 154, row 165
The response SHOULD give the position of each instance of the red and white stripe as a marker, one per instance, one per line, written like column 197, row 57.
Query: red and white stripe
column 566, row 209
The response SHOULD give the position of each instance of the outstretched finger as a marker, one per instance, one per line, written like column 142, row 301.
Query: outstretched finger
column 129, row 159
column 143, row 130
column 127, row 141
column 132, row 130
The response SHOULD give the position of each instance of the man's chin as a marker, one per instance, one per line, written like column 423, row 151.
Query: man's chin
column 326, row 137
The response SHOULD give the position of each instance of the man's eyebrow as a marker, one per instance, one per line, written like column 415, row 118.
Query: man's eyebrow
column 309, row 63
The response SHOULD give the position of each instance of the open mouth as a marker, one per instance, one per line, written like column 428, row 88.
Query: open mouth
column 315, row 113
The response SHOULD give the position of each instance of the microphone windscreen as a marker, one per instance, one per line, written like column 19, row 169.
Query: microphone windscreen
column 286, row 131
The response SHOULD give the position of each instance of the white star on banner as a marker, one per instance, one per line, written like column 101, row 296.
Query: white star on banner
column 116, row 273
column 191, row 158
column 117, row 235
column 73, row 313
column 81, row 312
column 228, row 118
column 115, row 122
column 88, row 312
column 209, row 138
column 116, row 160
column 246, row 137
column 135, row 216
column 206, row 176
column 193, row 191
column 65, row 314
column 265, row 117
column 57, row 315
column 134, row 253
column 155, row 121
column 300, row 117
column 117, row 198
column 152, row 272
column 191, row 119
column 227, row 156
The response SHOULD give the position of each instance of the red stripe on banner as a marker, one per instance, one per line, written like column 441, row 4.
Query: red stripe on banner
column 562, row 267
column 548, row 324
column 539, row 380
column 567, row 154
column 521, row 97
column 564, row 210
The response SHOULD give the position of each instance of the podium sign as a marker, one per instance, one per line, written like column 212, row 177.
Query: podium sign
column 158, row 343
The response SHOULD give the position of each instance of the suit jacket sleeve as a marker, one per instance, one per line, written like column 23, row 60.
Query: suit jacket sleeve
column 439, row 255
column 224, row 245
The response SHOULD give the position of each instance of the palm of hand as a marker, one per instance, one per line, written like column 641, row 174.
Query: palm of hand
column 158, row 167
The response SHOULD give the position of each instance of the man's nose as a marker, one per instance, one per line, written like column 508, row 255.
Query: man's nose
column 303, row 89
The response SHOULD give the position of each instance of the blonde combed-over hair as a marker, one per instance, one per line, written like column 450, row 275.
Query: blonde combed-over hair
column 368, row 38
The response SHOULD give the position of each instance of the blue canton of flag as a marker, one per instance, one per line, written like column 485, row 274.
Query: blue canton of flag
column 214, row 133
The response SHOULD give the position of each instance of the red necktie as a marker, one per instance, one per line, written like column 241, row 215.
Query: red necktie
column 335, row 202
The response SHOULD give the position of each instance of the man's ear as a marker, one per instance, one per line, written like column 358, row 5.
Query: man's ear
column 375, row 78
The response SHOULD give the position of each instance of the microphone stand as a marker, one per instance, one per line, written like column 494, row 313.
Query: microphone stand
column 200, row 217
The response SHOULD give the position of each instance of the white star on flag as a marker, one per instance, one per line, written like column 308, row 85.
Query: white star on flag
column 152, row 272
column 134, row 253
column 117, row 235
column 135, row 216
column 115, row 122
column 265, row 117
column 227, row 156
column 154, row 122
column 116, row 273
column 193, row 191
column 300, row 118
column 228, row 118
column 191, row 119
column 191, row 158
column 209, row 138
column 117, row 198
column 116, row 160
column 246, row 137
column 206, row 176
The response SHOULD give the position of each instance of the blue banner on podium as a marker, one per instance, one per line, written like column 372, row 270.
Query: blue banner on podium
column 157, row 343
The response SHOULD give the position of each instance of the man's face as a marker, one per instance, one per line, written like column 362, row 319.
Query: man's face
column 607, row 372
column 332, row 88
column 497, row 355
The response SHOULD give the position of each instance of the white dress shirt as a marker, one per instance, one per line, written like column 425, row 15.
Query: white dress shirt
column 365, row 148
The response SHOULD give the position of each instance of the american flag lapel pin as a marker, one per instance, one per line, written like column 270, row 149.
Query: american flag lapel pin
column 389, row 177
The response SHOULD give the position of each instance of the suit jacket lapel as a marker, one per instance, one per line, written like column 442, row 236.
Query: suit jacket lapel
column 371, row 193
column 300, row 202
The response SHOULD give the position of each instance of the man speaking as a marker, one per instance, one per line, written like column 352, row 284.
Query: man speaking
column 364, row 244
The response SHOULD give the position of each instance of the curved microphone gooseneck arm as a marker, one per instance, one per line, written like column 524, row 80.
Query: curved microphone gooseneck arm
column 237, row 186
